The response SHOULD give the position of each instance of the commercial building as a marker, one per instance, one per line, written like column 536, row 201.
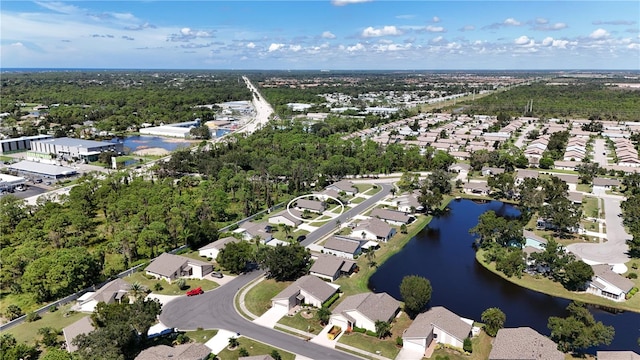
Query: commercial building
column 70, row 148
column 19, row 144
column 180, row 130
column 9, row 182
column 31, row 169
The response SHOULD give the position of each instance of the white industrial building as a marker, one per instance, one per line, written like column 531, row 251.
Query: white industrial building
column 70, row 148
column 30, row 168
column 19, row 144
column 10, row 182
column 179, row 130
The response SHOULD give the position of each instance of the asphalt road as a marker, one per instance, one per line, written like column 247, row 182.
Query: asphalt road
column 215, row 309
column 599, row 149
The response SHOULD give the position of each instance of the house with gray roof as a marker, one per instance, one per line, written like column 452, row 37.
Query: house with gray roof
column 523, row 343
column 617, row 355
column 439, row 325
column 113, row 291
column 345, row 186
column 308, row 290
column 211, row 250
column 391, row 216
column 251, row 230
column 170, row 267
column 374, row 229
column 608, row 284
column 605, row 183
column 82, row 326
column 311, row 205
column 408, row 203
column 331, row 267
column 490, row 171
column 476, row 188
column 343, row 247
column 291, row 217
column 363, row 310
column 190, row 351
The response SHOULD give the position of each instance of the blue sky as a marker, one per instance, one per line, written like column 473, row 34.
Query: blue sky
column 327, row 34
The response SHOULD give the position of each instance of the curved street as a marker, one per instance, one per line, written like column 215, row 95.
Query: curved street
column 215, row 309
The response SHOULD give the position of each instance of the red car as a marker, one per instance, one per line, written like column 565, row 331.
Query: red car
column 194, row 292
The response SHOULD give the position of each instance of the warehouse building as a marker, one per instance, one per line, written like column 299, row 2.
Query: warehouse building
column 10, row 182
column 35, row 169
column 19, row 144
column 70, row 148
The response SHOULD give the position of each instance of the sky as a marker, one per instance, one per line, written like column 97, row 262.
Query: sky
column 321, row 35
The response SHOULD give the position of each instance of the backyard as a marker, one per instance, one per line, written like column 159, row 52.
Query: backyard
column 253, row 348
column 27, row 332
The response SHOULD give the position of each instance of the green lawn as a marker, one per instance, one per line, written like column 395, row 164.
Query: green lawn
column 311, row 325
column 590, row 206
column 386, row 347
column 356, row 200
column 201, row 336
column 28, row 332
column 167, row 288
column 583, row 187
column 363, row 187
column 481, row 349
column 254, row 348
column 258, row 299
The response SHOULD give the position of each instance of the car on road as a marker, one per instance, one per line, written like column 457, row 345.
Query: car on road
column 301, row 238
column 194, row 292
column 216, row 274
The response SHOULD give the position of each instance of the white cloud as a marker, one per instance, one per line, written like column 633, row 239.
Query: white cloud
column 435, row 19
column 549, row 41
column 187, row 34
column 17, row 44
column 328, row 35
column 295, row 48
column 541, row 21
column 437, row 39
column 356, row 47
column 392, row 47
column 405, row 16
column 384, row 31
column 275, row 47
column 59, row 7
column 599, row 34
column 524, row 41
column 633, row 46
column 251, row 45
column 432, row 28
column 347, row 2
column 511, row 22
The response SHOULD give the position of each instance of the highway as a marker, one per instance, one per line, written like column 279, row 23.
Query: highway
column 215, row 309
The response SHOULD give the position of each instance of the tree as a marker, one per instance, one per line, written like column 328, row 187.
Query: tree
column 285, row 263
column 235, row 256
column 408, row 181
column 493, row 319
column 276, row 355
column 546, row 163
column 493, row 228
column 467, row 345
column 323, row 315
column 56, row 354
column 49, row 336
column 504, row 183
column 579, row 330
column 233, row 342
column 383, row 329
column 586, row 171
column 371, row 257
column 11, row 350
column 576, row 275
column 13, row 312
column 440, row 181
column 512, row 263
column 416, row 293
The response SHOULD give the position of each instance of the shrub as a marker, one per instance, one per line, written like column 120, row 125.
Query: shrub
column 399, row 341
column 631, row 293
column 359, row 330
column 467, row 345
column 243, row 352
column 32, row 316
column 371, row 333
column 13, row 312
column 331, row 300
column 182, row 284
column 157, row 287
column 53, row 308
column 634, row 266
column 632, row 275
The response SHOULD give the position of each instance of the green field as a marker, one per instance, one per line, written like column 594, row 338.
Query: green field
column 254, row 348
column 27, row 332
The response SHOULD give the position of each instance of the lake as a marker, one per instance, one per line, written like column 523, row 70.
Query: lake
column 442, row 253
column 139, row 142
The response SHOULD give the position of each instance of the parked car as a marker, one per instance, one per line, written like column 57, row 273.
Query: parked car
column 216, row 274
column 194, row 292
column 301, row 238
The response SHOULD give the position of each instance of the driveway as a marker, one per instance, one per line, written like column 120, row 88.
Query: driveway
column 220, row 341
column 323, row 339
column 614, row 251
column 271, row 317
column 164, row 299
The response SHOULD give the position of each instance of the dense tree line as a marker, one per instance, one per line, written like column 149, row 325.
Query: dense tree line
column 631, row 212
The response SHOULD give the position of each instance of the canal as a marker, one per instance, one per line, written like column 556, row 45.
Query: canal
column 442, row 253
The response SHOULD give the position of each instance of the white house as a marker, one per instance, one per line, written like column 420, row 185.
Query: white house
column 438, row 325
column 391, row 216
column 374, row 229
column 212, row 250
column 331, row 267
column 363, row 310
column 308, row 290
column 608, row 284
column 342, row 247
column 113, row 291
column 170, row 267
column 289, row 217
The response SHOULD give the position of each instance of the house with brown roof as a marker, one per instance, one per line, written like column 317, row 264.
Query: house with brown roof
column 212, row 250
column 170, row 267
column 331, row 267
column 523, row 343
column 617, row 355
column 82, row 326
column 391, row 216
column 363, row 310
column 343, row 247
column 374, row 229
column 113, row 291
column 608, row 284
column 439, row 325
column 190, row 351
column 308, row 290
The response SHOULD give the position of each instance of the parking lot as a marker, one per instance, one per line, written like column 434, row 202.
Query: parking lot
column 31, row 190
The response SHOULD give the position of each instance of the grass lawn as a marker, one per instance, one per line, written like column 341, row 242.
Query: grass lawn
column 28, row 332
column 386, row 346
column 481, row 349
column 253, row 348
column 583, row 187
column 258, row 299
column 169, row 289
column 550, row 287
column 590, row 206
column 201, row 336
column 363, row 187
column 311, row 325
column 356, row 200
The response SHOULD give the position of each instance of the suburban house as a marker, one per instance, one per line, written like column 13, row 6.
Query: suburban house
column 190, row 351
column 311, row 205
column 408, row 203
column 82, row 326
column 533, row 240
column 363, row 310
column 212, row 250
column 456, row 168
column 170, row 267
column 523, row 174
column 438, row 325
column 374, row 229
column 617, row 355
column 251, row 230
column 289, row 217
column 489, row 171
column 111, row 292
column 391, row 216
column 608, row 284
column 345, row 186
column 476, row 188
column 605, row 183
column 523, row 343
column 309, row 290
column 575, row 197
column 342, row 247
column 331, row 267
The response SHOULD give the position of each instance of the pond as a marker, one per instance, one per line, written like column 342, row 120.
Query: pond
column 139, row 142
column 442, row 253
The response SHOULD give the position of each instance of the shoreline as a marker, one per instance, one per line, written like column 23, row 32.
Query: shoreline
column 560, row 292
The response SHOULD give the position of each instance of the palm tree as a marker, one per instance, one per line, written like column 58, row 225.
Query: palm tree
column 286, row 229
column 136, row 290
column 383, row 328
column 323, row 315
column 233, row 343
column 371, row 255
